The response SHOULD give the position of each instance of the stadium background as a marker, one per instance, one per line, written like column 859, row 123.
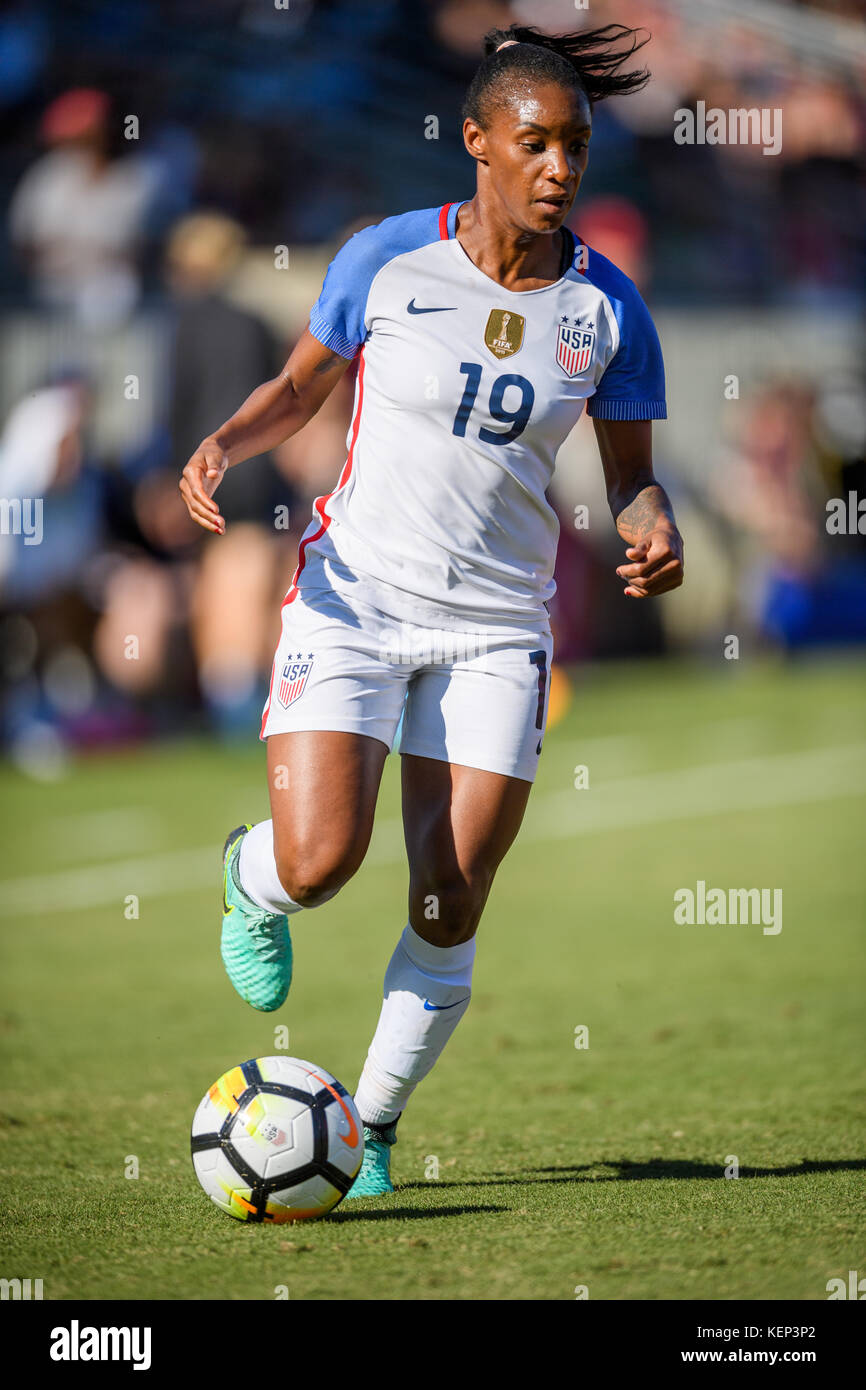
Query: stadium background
column 177, row 177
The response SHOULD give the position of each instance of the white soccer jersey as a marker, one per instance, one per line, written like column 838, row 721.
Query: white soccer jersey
column 465, row 392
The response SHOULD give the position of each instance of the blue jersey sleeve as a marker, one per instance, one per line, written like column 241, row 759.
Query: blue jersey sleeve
column 338, row 317
column 633, row 384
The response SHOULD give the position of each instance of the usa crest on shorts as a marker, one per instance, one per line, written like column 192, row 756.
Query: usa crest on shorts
column 293, row 679
column 575, row 344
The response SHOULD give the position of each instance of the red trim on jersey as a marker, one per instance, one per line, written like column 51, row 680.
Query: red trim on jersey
column 319, row 506
column 270, row 688
column 443, row 221
column 321, row 502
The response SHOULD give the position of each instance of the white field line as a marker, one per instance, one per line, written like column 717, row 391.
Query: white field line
column 747, row 784
column 115, row 830
column 614, row 751
column 96, row 885
column 623, row 803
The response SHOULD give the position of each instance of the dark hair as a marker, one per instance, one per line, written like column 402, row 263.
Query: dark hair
column 588, row 60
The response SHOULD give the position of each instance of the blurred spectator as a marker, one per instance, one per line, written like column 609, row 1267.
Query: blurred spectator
column 798, row 581
column 222, row 353
column 78, row 214
column 52, row 500
column 43, row 470
column 457, row 24
column 617, row 229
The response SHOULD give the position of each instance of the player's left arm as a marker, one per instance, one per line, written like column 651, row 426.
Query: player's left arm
column 641, row 509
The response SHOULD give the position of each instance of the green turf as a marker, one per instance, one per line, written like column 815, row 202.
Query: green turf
column 558, row 1166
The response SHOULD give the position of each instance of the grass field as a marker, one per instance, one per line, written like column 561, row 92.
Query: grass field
column 558, row 1166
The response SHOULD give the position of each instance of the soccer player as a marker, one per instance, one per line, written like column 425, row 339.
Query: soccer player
column 421, row 592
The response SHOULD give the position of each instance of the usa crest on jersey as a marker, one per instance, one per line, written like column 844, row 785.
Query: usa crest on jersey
column 293, row 680
column 575, row 345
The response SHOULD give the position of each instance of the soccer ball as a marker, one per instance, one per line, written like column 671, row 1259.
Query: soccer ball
column 276, row 1139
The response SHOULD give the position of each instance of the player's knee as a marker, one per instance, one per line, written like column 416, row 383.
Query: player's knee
column 311, row 879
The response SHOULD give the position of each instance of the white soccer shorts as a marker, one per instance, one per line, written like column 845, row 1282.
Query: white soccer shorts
column 479, row 699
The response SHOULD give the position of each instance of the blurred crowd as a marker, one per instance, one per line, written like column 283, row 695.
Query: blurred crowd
column 152, row 149
column 230, row 104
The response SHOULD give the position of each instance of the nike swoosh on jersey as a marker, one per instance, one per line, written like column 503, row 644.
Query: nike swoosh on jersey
column 412, row 308
column 437, row 1007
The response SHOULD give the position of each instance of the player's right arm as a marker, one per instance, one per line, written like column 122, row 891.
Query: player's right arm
column 273, row 412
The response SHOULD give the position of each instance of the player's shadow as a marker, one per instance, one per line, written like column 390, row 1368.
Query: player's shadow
column 409, row 1213
column 657, row 1169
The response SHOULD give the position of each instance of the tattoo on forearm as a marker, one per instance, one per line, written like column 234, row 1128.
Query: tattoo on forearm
column 327, row 364
column 647, row 507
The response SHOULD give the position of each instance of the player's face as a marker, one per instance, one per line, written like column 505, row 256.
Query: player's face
column 536, row 149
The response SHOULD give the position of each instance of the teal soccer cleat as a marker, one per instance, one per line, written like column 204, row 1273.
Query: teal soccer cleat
column 256, row 947
column 374, row 1179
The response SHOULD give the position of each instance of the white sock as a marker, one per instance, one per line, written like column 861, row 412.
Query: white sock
column 258, row 870
column 409, row 1036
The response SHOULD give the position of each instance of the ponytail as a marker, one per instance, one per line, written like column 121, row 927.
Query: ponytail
column 591, row 59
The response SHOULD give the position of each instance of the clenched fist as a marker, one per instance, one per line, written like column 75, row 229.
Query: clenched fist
column 657, row 563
